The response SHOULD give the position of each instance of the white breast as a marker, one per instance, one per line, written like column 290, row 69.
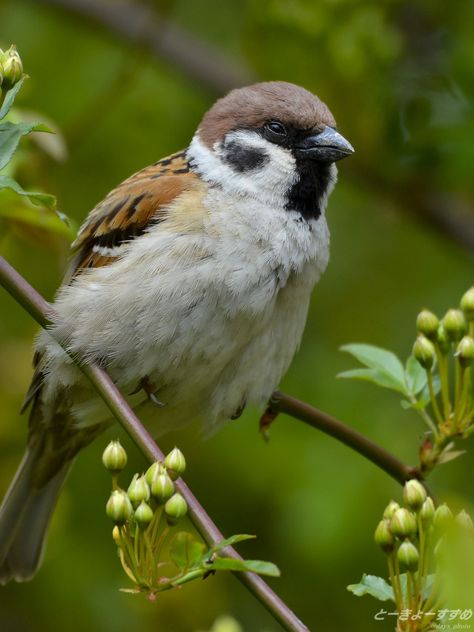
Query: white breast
column 212, row 316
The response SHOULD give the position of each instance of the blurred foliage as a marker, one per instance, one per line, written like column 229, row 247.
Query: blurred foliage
column 398, row 76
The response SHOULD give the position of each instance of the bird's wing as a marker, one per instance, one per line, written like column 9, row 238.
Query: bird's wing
column 128, row 211
column 124, row 214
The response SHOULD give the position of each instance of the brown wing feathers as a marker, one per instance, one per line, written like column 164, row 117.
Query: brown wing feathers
column 129, row 210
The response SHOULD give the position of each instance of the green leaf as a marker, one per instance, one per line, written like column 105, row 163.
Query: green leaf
column 251, row 566
column 36, row 217
column 415, row 376
column 10, row 97
column 186, row 551
column 41, row 199
column 381, row 360
column 234, row 539
column 372, row 585
column 10, row 134
column 374, row 376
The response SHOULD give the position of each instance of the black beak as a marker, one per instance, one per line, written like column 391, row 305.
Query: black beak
column 327, row 146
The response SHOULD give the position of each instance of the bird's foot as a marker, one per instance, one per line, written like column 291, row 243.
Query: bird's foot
column 266, row 420
column 146, row 385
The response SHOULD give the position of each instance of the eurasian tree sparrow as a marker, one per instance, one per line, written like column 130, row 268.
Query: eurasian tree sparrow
column 190, row 284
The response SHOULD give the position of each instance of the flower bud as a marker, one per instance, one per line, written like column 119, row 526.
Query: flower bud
column 442, row 340
column 442, row 517
column 138, row 490
column 175, row 463
column 153, row 471
column 427, row 511
column 408, row 555
column 175, row 508
column 12, row 66
column 162, row 488
column 414, row 494
column 424, row 351
column 390, row 509
column 467, row 304
column 119, row 508
column 454, row 324
column 465, row 351
column 384, row 537
column 143, row 515
column 464, row 520
column 116, row 535
column 114, row 457
column 403, row 523
column 427, row 323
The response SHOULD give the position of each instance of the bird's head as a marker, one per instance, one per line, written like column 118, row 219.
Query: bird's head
column 272, row 141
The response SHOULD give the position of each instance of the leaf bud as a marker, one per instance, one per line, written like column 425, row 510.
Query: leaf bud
column 175, row 463
column 414, row 494
column 175, row 508
column 427, row 323
column 138, row 490
column 384, row 537
column 12, row 66
column 454, row 324
column 114, row 457
column 390, row 509
column 465, row 351
column 467, row 304
column 403, row 523
column 162, row 488
column 464, row 520
column 119, row 508
column 442, row 517
column 143, row 515
column 153, row 471
column 408, row 555
column 427, row 511
column 424, row 351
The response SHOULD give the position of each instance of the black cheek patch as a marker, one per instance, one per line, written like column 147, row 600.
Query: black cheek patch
column 243, row 158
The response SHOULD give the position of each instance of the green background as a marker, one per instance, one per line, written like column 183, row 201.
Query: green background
column 398, row 77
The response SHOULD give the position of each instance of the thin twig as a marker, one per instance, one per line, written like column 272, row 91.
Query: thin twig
column 280, row 402
column 42, row 312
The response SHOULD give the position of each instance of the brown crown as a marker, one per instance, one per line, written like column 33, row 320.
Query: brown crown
column 252, row 106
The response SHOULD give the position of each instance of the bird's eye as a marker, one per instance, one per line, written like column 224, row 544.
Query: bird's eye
column 276, row 128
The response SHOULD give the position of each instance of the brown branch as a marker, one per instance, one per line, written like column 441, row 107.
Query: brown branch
column 282, row 403
column 42, row 312
column 162, row 38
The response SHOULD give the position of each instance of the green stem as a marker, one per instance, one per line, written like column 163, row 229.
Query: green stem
column 443, row 369
column 393, row 581
column 426, row 418
column 433, row 398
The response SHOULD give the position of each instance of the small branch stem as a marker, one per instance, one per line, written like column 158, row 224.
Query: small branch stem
column 280, row 402
column 42, row 312
column 434, row 399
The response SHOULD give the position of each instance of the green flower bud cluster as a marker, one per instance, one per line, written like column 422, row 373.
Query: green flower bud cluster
column 143, row 513
column 11, row 68
column 450, row 391
column 413, row 537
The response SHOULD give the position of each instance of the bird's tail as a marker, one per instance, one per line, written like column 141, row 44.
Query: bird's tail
column 24, row 517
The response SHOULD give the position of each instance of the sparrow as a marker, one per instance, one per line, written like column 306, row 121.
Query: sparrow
column 190, row 284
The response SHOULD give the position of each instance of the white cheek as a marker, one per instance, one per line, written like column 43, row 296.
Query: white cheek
column 268, row 183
